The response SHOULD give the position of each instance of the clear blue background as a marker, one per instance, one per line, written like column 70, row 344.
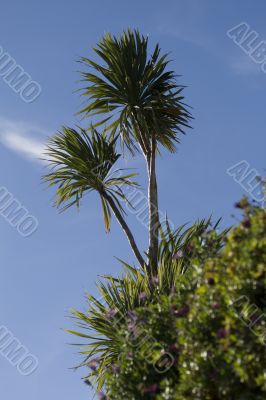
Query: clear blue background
column 43, row 276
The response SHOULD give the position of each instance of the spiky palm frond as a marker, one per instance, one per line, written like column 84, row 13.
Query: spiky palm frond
column 179, row 240
column 135, row 91
column 80, row 163
column 117, row 297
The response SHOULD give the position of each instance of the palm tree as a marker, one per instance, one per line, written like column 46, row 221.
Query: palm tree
column 133, row 97
column 82, row 163
column 142, row 101
column 139, row 101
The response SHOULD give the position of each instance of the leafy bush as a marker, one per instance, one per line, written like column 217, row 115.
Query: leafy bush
column 180, row 252
column 224, row 336
column 206, row 338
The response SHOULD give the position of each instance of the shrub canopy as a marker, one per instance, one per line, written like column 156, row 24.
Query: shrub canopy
column 206, row 338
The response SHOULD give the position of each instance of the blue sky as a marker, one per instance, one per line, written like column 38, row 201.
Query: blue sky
column 44, row 275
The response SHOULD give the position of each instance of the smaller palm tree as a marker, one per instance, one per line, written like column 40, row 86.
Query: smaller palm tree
column 82, row 162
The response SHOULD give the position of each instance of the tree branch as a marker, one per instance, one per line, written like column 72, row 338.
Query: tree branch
column 126, row 229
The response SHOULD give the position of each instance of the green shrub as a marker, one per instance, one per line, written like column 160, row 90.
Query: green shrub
column 103, row 325
column 206, row 341
column 224, row 336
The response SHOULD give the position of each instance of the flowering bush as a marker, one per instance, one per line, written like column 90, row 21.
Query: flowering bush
column 206, row 341
column 224, row 336
column 115, row 312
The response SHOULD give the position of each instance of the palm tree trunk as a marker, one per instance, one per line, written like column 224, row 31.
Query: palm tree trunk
column 149, row 151
column 153, row 210
column 126, row 229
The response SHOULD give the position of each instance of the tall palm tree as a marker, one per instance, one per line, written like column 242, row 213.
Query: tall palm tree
column 142, row 101
column 83, row 162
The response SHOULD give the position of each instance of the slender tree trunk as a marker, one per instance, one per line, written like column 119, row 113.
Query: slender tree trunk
column 149, row 152
column 126, row 229
column 153, row 209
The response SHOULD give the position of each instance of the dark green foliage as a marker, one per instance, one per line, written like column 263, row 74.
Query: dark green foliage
column 201, row 335
column 224, row 337
column 215, row 332
column 182, row 250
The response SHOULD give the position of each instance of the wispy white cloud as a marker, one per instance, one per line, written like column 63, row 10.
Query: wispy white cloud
column 25, row 139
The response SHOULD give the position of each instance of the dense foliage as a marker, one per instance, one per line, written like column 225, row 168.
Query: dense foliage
column 223, row 338
column 202, row 338
column 180, row 253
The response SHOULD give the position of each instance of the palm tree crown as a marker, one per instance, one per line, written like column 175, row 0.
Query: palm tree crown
column 82, row 163
column 135, row 91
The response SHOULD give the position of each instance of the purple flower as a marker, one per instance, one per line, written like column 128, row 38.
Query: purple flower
column 190, row 247
column 211, row 281
column 110, row 314
column 222, row 333
column 115, row 369
column 102, row 396
column 152, row 389
column 210, row 242
column 254, row 317
column 133, row 328
column 216, row 306
column 93, row 365
column 173, row 347
column 132, row 315
column 246, row 223
column 181, row 312
column 142, row 297
column 179, row 254
column 242, row 204
column 155, row 280
column 130, row 356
